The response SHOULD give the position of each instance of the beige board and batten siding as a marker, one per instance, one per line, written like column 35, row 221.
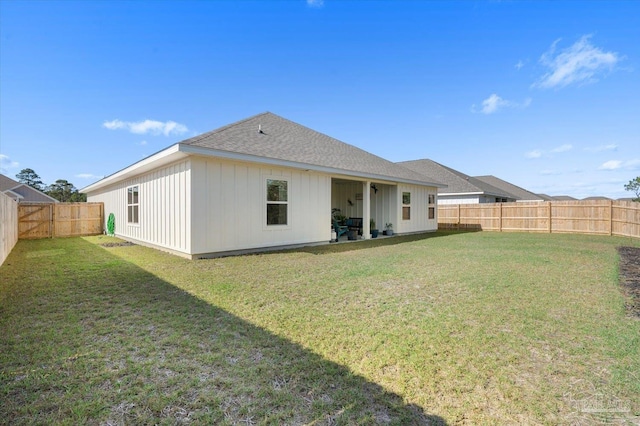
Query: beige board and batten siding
column 229, row 206
column 419, row 218
column 461, row 199
column 164, row 207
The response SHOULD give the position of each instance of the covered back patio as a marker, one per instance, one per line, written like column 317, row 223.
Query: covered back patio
column 355, row 202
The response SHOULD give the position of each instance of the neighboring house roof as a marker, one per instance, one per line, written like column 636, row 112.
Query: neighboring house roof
column 23, row 193
column 596, row 198
column 457, row 182
column 271, row 139
column 6, row 183
column 520, row 193
column 564, row 198
column 545, row 197
column 12, row 195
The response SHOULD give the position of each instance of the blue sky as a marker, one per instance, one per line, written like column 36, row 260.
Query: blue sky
column 545, row 95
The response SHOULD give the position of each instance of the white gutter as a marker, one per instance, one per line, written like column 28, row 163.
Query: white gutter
column 448, row 194
column 296, row 165
column 179, row 150
column 160, row 158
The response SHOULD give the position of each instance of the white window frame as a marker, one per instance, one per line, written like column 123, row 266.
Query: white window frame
column 431, row 206
column 407, row 205
column 133, row 205
column 287, row 203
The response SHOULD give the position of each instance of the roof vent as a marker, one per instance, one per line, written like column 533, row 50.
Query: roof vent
column 260, row 129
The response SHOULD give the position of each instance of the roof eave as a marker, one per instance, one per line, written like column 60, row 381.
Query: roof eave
column 453, row 194
column 180, row 150
column 160, row 158
column 210, row 152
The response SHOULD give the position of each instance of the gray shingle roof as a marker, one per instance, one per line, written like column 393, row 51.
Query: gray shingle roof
column 545, row 197
column 6, row 183
column 457, row 182
column 596, row 198
column 564, row 198
column 270, row 136
column 29, row 194
column 518, row 192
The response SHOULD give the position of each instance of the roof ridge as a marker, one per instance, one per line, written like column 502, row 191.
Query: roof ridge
column 508, row 183
column 416, row 174
column 201, row 136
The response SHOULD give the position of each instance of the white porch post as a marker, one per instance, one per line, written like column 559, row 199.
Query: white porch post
column 366, row 209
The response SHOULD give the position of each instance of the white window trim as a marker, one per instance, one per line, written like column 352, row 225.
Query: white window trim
column 403, row 205
column 432, row 205
column 265, row 226
column 133, row 204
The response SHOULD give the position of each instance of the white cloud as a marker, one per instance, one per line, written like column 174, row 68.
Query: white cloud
column 7, row 163
column 610, row 165
column 142, row 143
column 609, row 147
column 537, row 153
column 315, row 3
column 563, row 148
column 88, row 176
column 618, row 164
column 153, row 127
column 580, row 63
column 494, row 102
column 519, row 65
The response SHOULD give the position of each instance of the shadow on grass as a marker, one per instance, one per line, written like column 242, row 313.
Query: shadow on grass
column 90, row 338
column 371, row 243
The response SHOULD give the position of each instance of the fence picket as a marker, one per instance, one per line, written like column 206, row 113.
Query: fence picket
column 605, row 217
column 39, row 220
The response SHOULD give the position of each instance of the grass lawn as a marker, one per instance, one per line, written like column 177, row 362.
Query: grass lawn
column 471, row 328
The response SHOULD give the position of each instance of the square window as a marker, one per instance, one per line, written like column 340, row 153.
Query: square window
column 406, row 213
column 276, row 214
column 276, row 190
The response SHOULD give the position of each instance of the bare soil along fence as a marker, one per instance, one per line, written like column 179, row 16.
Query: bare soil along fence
column 603, row 217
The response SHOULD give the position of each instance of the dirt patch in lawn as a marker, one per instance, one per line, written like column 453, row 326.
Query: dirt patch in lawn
column 630, row 277
column 120, row 244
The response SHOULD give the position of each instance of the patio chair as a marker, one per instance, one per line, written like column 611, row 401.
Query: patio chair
column 340, row 229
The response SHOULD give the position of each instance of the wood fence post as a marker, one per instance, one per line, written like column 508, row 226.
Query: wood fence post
column 52, row 223
column 550, row 218
column 610, row 217
column 500, row 218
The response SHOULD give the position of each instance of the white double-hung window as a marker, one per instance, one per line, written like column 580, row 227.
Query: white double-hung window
column 277, row 202
column 133, row 204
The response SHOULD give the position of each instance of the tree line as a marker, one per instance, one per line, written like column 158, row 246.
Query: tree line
column 634, row 186
column 62, row 190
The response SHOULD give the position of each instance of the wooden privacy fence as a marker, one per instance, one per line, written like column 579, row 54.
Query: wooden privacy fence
column 40, row 220
column 8, row 225
column 604, row 217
